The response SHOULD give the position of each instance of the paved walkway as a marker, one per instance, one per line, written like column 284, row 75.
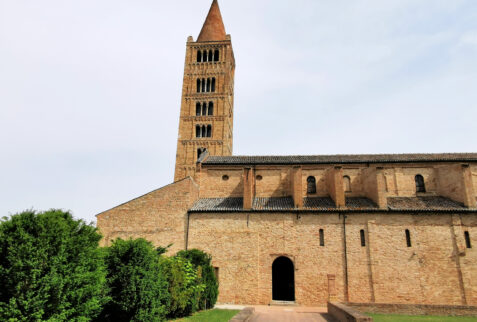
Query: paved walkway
column 289, row 314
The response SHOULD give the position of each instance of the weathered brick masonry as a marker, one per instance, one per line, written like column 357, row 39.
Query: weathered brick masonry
column 356, row 228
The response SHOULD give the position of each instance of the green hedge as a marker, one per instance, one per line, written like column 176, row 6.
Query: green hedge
column 51, row 268
column 138, row 287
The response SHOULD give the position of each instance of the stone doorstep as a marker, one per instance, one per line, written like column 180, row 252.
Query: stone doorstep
column 283, row 303
column 243, row 315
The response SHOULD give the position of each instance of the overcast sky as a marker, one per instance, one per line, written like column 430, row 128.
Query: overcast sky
column 90, row 90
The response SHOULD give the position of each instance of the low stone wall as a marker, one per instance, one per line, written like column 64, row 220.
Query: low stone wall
column 415, row 309
column 345, row 313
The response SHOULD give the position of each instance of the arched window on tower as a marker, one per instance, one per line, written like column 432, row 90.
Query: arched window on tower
column 211, row 109
column 198, row 85
column 198, row 131
column 347, row 183
column 311, row 185
column 213, row 85
column 208, row 85
column 199, row 56
column 204, row 85
column 204, row 56
column 200, row 151
column 204, row 109
column 197, row 109
column 420, row 185
column 216, row 55
column 209, row 131
column 211, row 55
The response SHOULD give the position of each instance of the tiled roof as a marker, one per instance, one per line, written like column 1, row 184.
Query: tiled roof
column 360, row 203
column 341, row 159
column 277, row 203
column 218, row 204
column 428, row 202
column 318, row 203
column 326, row 204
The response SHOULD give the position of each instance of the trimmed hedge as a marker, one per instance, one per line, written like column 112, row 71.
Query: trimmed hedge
column 138, row 288
column 50, row 268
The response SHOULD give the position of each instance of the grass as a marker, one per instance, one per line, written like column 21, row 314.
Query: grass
column 417, row 318
column 215, row 315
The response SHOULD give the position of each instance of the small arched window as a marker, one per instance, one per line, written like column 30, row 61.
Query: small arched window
column 211, row 108
column 408, row 238
column 204, row 56
column 203, row 85
column 213, row 85
column 216, row 55
column 347, row 183
column 204, row 109
column 322, row 237
column 198, row 85
column 199, row 56
column 363, row 238
column 197, row 109
column 420, row 185
column 209, row 131
column 211, row 55
column 311, row 185
column 467, row 239
column 197, row 131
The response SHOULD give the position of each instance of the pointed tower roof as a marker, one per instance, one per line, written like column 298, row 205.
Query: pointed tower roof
column 213, row 29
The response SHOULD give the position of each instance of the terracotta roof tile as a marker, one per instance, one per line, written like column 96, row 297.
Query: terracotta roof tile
column 360, row 203
column 213, row 28
column 273, row 203
column 428, row 202
column 218, row 204
column 318, row 203
column 341, row 159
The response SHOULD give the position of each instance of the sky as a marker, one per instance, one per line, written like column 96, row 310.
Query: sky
column 90, row 90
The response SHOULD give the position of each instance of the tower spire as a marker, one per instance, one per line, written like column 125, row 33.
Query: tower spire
column 213, row 28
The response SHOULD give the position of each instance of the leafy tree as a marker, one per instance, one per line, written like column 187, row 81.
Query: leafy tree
column 202, row 262
column 138, row 286
column 50, row 268
column 185, row 287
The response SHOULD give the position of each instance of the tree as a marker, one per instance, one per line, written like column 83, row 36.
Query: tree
column 50, row 268
column 137, row 283
column 202, row 263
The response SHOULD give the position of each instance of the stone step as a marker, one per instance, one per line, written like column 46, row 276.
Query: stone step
column 283, row 303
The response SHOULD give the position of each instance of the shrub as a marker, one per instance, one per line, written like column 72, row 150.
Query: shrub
column 137, row 284
column 50, row 268
column 202, row 263
column 184, row 286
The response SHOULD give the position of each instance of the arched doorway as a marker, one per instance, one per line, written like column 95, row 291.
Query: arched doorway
column 283, row 279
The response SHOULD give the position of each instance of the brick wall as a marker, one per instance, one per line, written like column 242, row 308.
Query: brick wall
column 385, row 270
column 213, row 185
column 158, row 216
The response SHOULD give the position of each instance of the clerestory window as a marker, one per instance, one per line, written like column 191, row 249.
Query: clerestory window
column 420, row 185
column 311, row 185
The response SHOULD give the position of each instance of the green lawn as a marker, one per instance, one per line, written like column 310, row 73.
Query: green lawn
column 422, row 318
column 216, row 315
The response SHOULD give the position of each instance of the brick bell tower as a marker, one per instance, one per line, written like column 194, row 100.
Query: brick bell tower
column 206, row 119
